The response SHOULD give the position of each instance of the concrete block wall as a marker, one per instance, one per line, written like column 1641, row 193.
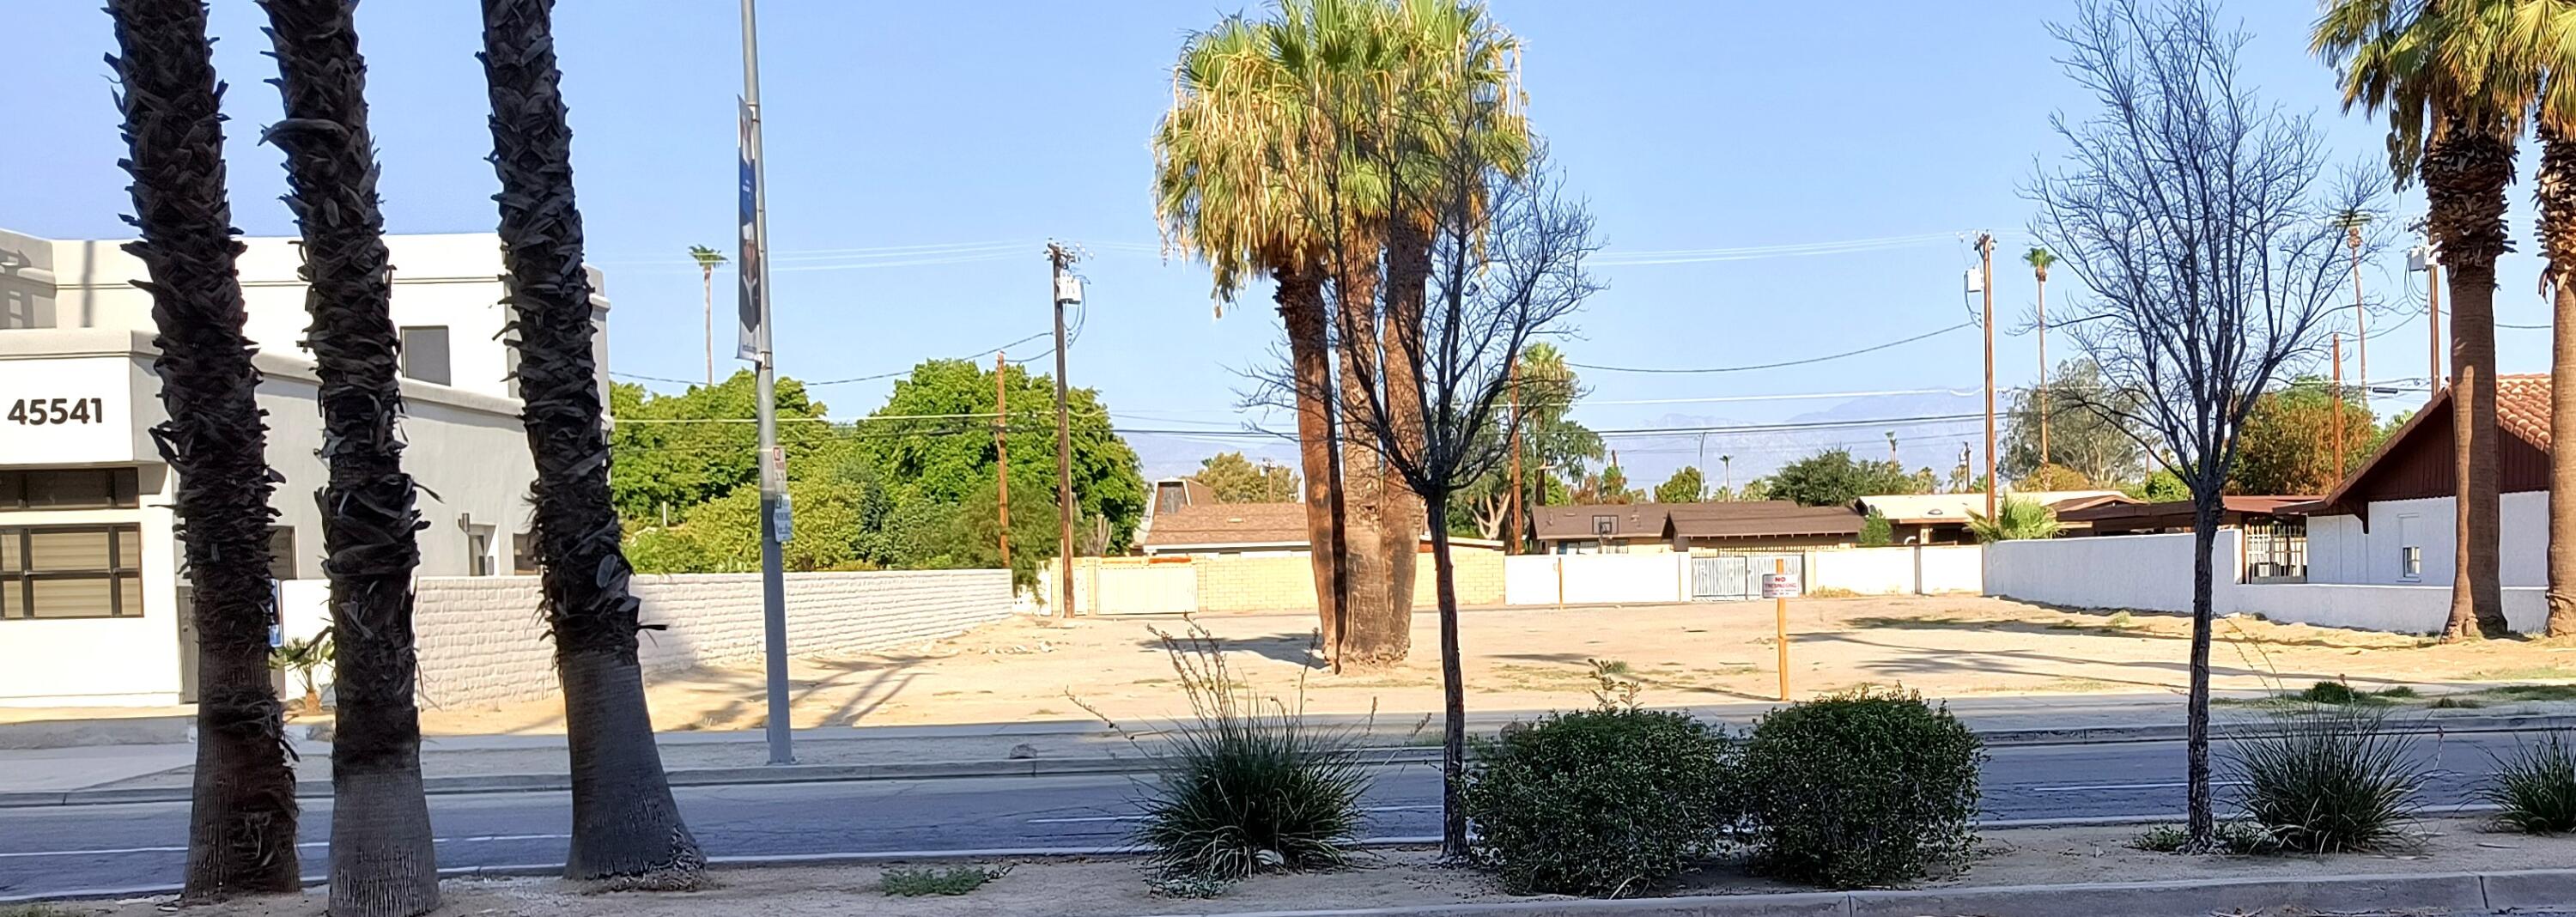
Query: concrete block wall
column 1275, row 582
column 482, row 639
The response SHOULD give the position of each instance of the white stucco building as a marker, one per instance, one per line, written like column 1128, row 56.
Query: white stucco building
column 2393, row 523
column 91, row 610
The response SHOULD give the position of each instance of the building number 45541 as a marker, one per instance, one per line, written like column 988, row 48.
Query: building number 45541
column 37, row 412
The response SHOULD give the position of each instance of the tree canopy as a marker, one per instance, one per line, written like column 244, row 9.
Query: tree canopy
column 2082, row 437
column 2288, row 443
column 1685, row 486
column 1834, row 478
column 1236, row 479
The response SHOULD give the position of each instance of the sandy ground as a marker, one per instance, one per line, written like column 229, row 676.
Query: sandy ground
column 1110, row 886
column 1536, row 659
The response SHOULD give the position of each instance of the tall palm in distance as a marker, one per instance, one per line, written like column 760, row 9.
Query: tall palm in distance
column 707, row 260
column 383, row 863
column 241, row 820
column 625, row 826
column 2039, row 259
column 2444, row 73
column 2543, row 45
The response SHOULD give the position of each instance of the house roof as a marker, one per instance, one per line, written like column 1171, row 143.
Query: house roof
column 1229, row 524
column 1933, row 509
column 2522, row 411
column 2130, row 512
column 1630, row 520
column 1761, row 519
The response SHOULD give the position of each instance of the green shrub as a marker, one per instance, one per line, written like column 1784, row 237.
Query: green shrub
column 2534, row 789
column 915, row 883
column 1857, row 789
column 1598, row 802
column 1248, row 785
column 2328, row 780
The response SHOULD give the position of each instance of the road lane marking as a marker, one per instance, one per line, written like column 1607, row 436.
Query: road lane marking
column 114, row 851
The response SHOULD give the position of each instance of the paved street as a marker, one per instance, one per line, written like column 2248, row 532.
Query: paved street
column 57, row 850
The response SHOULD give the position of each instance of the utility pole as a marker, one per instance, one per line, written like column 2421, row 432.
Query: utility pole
column 1727, row 462
column 1892, row 458
column 1986, row 280
column 773, row 463
column 2360, row 334
column 1002, row 454
column 1064, row 289
column 1512, row 542
column 2041, row 394
column 2337, row 404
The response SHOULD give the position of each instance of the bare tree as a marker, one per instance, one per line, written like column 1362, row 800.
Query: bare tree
column 2202, row 228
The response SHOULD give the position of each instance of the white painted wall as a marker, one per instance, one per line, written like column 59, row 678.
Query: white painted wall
column 2144, row 572
column 1614, row 578
column 2403, row 609
column 2339, row 551
column 1531, row 579
column 1904, row 570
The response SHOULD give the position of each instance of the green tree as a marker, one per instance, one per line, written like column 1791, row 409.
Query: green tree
column 2015, row 518
column 673, row 452
column 2455, row 84
column 624, row 822
column 1834, row 478
column 1235, row 479
column 1685, row 486
column 383, row 863
column 241, row 823
column 931, row 442
column 2161, row 486
column 1876, row 531
column 2288, row 443
column 2081, row 438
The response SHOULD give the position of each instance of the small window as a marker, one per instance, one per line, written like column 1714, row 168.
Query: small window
column 1605, row 525
column 424, row 354
column 71, row 572
column 2410, row 562
column 478, row 551
column 2410, row 551
column 523, row 553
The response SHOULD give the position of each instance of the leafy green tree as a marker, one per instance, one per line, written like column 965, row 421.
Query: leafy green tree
column 1876, row 531
column 2288, row 443
column 1685, row 486
column 2082, row 439
column 1235, row 479
column 932, row 442
column 1834, row 478
column 2161, row 486
column 677, row 451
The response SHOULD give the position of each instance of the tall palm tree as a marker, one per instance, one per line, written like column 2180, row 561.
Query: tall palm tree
column 1222, row 180
column 2545, row 41
column 707, row 259
column 624, row 823
column 2443, row 71
column 382, row 861
column 2039, row 258
column 241, row 825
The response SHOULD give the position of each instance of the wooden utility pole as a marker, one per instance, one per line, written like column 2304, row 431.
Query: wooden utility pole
column 1062, row 292
column 1512, row 542
column 1986, row 280
column 2360, row 332
column 2337, row 338
column 1002, row 454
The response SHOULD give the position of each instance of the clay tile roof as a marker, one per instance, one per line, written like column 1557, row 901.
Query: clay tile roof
column 2522, row 407
column 1230, row 523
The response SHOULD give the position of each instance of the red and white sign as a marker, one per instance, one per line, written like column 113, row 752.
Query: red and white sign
column 1779, row 586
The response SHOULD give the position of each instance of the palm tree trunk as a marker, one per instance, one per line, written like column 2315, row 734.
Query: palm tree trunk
column 383, row 863
column 241, row 824
column 1300, row 296
column 625, row 825
column 1377, row 632
column 1408, row 273
column 2465, row 173
column 2555, row 189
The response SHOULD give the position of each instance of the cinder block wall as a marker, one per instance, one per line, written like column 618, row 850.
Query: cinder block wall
column 482, row 638
column 1287, row 582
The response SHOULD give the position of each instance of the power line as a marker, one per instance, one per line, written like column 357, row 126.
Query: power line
column 1737, row 369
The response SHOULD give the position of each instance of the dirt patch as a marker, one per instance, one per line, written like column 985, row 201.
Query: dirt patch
column 1538, row 659
column 1108, row 887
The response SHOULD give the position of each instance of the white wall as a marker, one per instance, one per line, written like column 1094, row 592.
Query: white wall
column 2403, row 609
column 2144, row 572
column 1906, row 570
column 1531, row 579
column 1612, row 578
column 482, row 639
column 2339, row 551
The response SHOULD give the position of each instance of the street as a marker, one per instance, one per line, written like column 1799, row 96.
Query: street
column 61, row 850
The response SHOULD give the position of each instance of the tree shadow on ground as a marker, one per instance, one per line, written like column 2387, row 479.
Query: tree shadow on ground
column 1301, row 650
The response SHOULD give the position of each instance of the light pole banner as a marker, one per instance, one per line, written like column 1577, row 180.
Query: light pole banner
column 748, row 265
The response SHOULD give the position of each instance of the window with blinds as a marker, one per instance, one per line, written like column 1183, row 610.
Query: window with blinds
column 71, row 572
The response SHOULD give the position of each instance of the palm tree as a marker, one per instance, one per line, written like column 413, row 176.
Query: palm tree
column 2039, row 258
column 2015, row 518
column 1222, row 175
column 2542, row 33
column 707, row 259
column 624, row 822
column 2443, row 72
column 241, row 826
column 382, row 861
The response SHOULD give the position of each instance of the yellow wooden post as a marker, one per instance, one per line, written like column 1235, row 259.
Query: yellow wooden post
column 1780, row 625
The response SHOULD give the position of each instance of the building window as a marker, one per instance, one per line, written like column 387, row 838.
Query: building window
column 91, row 571
column 281, row 552
column 478, row 551
column 523, row 553
column 68, row 488
column 2410, row 552
column 1605, row 526
column 424, row 354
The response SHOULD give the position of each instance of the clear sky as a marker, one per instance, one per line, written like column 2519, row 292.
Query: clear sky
column 920, row 154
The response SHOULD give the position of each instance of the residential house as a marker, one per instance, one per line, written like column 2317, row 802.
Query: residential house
column 1659, row 528
column 1943, row 518
column 1210, row 528
column 2392, row 521
column 2275, row 527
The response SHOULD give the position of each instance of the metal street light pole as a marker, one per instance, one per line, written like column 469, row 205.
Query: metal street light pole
column 773, row 462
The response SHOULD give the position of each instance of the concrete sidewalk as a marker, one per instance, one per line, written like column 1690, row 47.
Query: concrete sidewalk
column 161, row 771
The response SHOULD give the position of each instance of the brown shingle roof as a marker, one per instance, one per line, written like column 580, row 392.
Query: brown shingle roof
column 1770, row 518
column 1230, row 523
column 1632, row 520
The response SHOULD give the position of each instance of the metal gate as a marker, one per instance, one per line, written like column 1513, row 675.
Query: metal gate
column 1737, row 577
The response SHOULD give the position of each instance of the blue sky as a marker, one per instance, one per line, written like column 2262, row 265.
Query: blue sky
column 920, row 154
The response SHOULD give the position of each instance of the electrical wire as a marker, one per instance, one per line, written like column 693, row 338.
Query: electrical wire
column 1737, row 369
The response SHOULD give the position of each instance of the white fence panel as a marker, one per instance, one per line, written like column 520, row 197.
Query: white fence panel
column 2145, row 572
column 1133, row 589
column 1531, row 579
column 1614, row 578
column 1953, row 568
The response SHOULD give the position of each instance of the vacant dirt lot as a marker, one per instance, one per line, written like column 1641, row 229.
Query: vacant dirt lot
column 1537, row 659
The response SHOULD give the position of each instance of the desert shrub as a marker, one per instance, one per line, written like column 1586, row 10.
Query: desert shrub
column 2231, row 837
column 1862, row 788
column 1599, row 802
column 1247, row 784
column 2329, row 779
column 2534, row 789
column 915, row 883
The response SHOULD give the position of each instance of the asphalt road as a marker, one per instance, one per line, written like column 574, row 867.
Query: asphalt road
column 63, row 850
